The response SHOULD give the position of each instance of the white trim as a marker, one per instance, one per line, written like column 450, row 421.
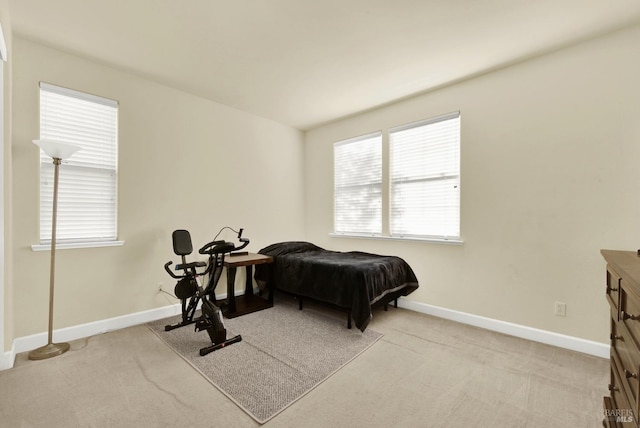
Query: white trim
column 547, row 337
column 27, row 343
column 450, row 241
column 358, row 138
column 61, row 90
column 70, row 245
column 23, row 344
column 3, row 45
column 436, row 119
column 5, row 358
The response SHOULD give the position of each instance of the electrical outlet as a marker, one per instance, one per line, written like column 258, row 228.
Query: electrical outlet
column 560, row 309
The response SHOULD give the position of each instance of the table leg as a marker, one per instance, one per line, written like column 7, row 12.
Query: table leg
column 231, row 296
column 248, row 288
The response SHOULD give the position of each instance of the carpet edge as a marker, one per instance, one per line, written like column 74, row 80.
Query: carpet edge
column 376, row 337
column 183, row 358
column 380, row 335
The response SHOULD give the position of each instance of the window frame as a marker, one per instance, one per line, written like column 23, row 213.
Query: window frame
column 445, row 171
column 98, row 160
column 371, row 225
column 386, row 189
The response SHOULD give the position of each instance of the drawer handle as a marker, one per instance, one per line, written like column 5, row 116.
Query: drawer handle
column 610, row 289
column 613, row 388
column 627, row 316
column 628, row 374
column 615, row 337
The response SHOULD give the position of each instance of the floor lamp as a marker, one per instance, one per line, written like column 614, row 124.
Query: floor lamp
column 57, row 151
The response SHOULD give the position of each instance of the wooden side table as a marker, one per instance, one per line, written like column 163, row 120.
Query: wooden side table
column 249, row 302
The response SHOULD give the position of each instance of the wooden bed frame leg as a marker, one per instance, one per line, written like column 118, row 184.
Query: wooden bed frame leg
column 395, row 303
column 349, row 320
column 300, row 303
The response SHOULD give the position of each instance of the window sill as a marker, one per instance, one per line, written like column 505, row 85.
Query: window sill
column 70, row 245
column 451, row 241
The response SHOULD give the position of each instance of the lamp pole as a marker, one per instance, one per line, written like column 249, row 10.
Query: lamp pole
column 56, row 150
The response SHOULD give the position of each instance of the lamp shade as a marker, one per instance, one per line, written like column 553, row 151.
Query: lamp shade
column 57, row 149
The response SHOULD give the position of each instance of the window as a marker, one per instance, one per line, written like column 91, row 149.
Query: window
column 88, row 179
column 358, row 185
column 425, row 178
column 404, row 183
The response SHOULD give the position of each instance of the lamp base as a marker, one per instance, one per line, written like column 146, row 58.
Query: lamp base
column 49, row 350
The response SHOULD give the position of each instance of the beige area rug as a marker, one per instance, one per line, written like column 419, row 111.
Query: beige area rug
column 284, row 354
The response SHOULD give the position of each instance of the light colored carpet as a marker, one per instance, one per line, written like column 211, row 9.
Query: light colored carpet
column 425, row 372
column 284, row 354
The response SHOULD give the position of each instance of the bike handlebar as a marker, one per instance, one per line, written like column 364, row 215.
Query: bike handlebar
column 245, row 242
column 191, row 266
column 217, row 247
column 213, row 247
column 173, row 275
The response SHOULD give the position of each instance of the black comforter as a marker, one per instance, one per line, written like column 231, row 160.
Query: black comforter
column 351, row 280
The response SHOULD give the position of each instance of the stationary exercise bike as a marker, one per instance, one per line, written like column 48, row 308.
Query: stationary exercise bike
column 190, row 292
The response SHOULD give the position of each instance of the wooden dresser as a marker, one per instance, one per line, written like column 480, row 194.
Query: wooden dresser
column 621, row 407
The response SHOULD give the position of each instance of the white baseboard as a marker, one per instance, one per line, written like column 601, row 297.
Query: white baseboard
column 547, row 337
column 27, row 343
column 67, row 334
column 7, row 359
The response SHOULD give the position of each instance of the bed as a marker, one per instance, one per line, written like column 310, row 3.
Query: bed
column 354, row 281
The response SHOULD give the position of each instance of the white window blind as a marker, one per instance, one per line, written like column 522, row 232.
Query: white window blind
column 88, row 179
column 358, row 185
column 425, row 178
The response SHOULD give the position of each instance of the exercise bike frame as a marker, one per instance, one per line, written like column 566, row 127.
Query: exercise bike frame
column 216, row 251
column 190, row 292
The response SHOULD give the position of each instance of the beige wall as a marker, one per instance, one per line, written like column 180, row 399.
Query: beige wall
column 184, row 162
column 550, row 158
column 549, row 152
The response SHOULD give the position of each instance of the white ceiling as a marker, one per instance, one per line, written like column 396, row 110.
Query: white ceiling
column 307, row 62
